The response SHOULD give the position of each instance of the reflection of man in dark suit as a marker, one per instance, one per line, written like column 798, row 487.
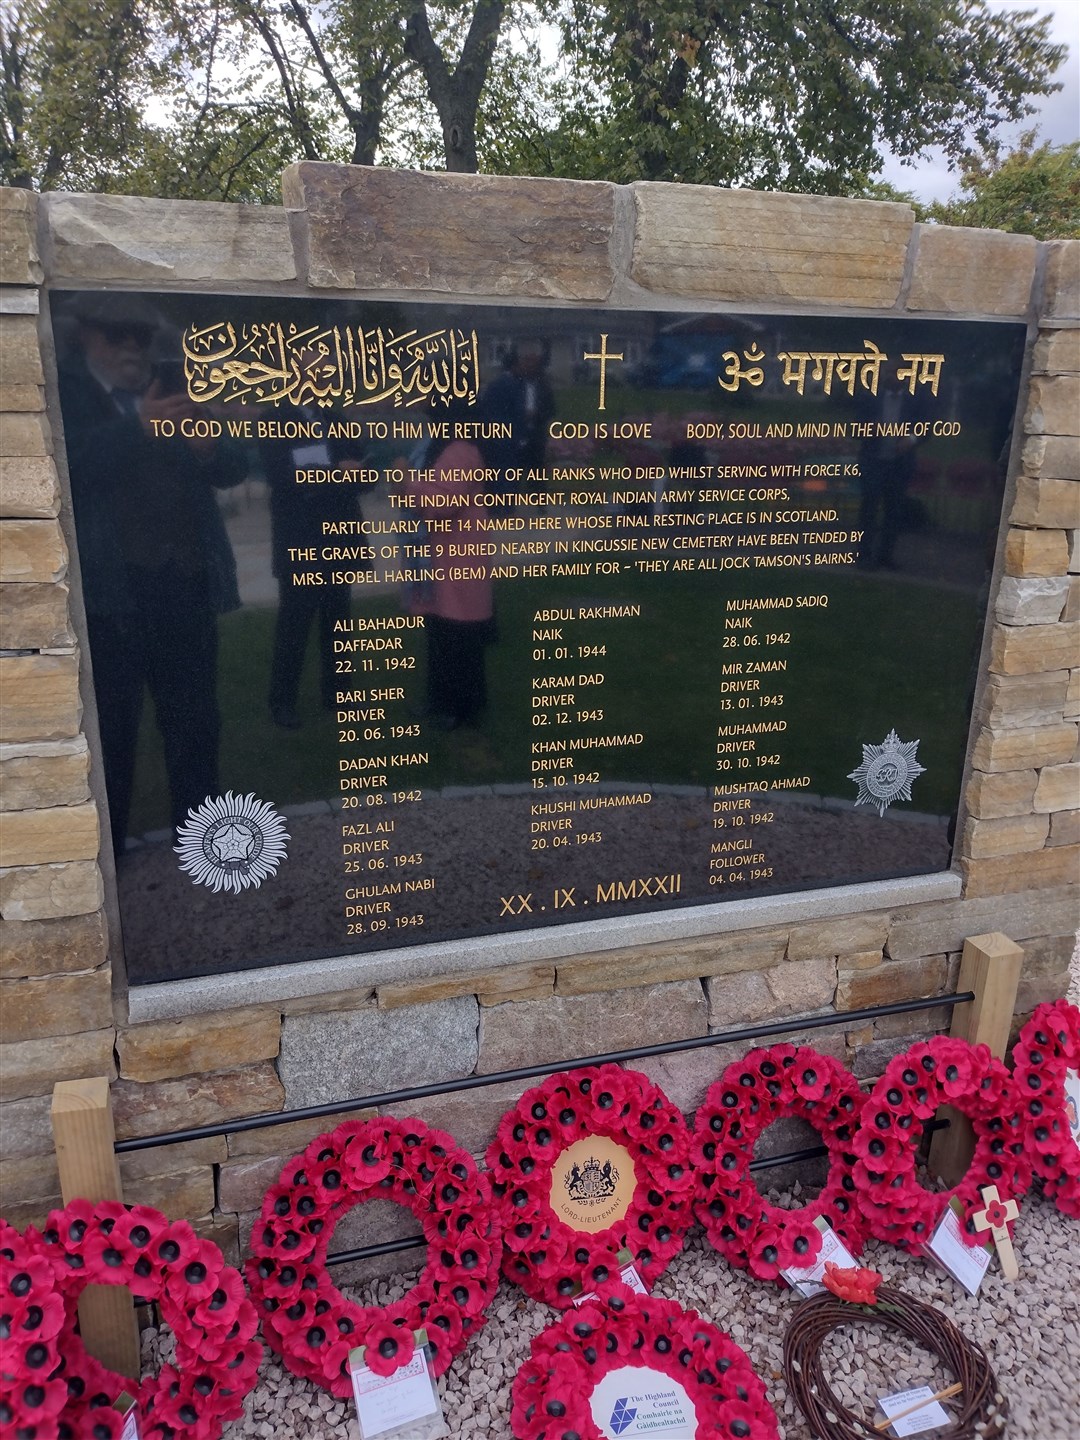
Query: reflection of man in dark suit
column 887, row 466
column 297, row 513
column 156, row 561
column 522, row 395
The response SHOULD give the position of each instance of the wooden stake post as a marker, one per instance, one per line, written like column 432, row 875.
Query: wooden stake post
column 83, row 1133
column 991, row 968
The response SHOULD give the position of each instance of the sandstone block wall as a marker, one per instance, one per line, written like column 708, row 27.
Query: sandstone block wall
column 63, row 1008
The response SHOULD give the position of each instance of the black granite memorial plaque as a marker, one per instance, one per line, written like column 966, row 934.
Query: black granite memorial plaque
column 413, row 622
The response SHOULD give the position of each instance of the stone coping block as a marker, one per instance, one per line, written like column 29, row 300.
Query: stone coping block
column 1032, row 601
column 1061, row 299
column 1042, row 553
column 944, row 928
column 374, row 228
column 24, row 435
column 166, row 1105
column 33, row 552
column 1012, row 701
column 1054, row 457
column 1054, row 405
column 48, row 774
column 170, row 1048
column 755, row 247
column 316, row 980
column 20, row 352
column 798, row 987
column 52, row 947
column 975, row 272
column 47, row 837
column 55, row 1005
column 161, row 242
column 29, row 487
column 39, row 697
column 1027, row 649
column 32, row 1067
column 35, row 617
column 1008, row 874
column 327, row 1057
column 45, row 892
column 20, row 263
column 570, row 1025
column 1048, row 503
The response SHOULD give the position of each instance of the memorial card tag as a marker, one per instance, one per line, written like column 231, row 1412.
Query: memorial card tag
column 635, row 1400
column 806, row 1280
column 627, row 1274
column 1072, row 1104
column 392, row 1405
column 967, row 1264
column 911, row 1417
column 127, row 1407
column 592, row 1184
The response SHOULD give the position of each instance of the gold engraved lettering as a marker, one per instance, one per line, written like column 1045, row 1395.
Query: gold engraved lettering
column 753, row 375
column 847, row 367
column 603, row 355
column 271, row 364
column 921, row 370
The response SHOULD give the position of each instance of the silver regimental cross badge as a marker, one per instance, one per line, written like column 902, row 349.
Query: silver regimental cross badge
column 886, row 772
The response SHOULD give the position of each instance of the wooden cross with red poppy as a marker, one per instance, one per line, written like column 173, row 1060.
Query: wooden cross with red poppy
column 995, row 1218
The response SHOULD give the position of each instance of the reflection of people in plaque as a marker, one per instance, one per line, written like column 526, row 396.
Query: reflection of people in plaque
column 156, row 561
column 886, row 470
column 297, row 512
column 459, row 613
column 523, row 397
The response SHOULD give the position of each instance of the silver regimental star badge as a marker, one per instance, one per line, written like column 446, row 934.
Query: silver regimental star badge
column 887, row 771
column 232, row 843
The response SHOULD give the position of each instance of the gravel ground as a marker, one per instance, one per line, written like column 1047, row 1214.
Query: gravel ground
column 1031, row 1331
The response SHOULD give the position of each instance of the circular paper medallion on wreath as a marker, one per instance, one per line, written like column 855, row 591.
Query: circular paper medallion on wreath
column 636, row 1400
column 592, row 1184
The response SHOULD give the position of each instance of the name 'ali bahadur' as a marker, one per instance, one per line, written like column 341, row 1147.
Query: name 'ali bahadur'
column 267, row 363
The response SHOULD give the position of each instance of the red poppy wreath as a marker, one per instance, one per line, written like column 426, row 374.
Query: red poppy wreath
column 750, row 1095
column 1048, row 1047
column 200, row 1298
column 624, row 1358
column 940, row 1071
column 591, row 1162
column 306, row 1319
column 32, row 1388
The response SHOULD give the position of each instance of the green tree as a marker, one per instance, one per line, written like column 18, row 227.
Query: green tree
column 212, row 97
column 789, row 94
column 76, row 85
column 1031, row 190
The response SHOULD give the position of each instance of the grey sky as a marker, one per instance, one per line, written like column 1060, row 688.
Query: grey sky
column 1058, row 115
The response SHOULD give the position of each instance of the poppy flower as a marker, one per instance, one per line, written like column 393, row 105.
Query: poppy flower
column 305, row 1319
column 548, row 1256
column 140, row 1248
column 387, row 1347
column 783, row 1080
column 859, row 1286
column 552, row 1390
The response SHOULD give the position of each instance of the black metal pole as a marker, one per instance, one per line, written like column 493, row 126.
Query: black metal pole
column 533, row 1072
